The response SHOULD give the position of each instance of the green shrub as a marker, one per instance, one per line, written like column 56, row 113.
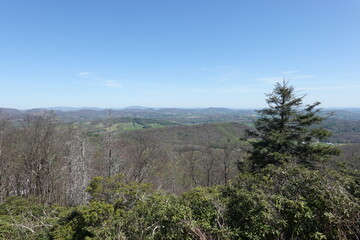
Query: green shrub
column 22, row 218
column 292, row 202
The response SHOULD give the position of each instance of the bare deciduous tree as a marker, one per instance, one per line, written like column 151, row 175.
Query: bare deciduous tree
column 37, row 150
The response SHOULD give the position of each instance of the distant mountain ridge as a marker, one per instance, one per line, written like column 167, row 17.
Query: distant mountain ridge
column 208, row 109
column 193, row 115
column 130, row 108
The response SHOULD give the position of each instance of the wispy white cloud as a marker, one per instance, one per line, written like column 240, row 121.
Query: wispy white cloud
column 271, row 80
column 110, row 83
column 225, row 73
column 289, row 72
column 229, row 90
column 219, row 69
column 84, row 74
column 329, row 88
column 287, row 75
column 104, row 82
column 237, row 90
column 301, row 77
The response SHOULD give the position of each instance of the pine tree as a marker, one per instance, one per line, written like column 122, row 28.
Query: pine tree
column 288, row 131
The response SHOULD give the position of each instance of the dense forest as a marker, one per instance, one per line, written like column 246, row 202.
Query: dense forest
column 276, row 173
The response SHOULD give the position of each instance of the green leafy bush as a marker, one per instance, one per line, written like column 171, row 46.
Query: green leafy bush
column 22, row 218
column 292, row 202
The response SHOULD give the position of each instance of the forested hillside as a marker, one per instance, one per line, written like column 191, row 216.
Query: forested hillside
column 343, row 131
column 55, row 161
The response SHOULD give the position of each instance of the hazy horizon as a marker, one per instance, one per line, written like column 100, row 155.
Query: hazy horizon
column 62, row 108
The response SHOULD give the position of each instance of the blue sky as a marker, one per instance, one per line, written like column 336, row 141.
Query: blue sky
column 188, row 53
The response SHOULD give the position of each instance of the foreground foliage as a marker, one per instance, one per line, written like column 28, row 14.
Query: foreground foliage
column 22, row 218
column 288, row 202
column 292, row 202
